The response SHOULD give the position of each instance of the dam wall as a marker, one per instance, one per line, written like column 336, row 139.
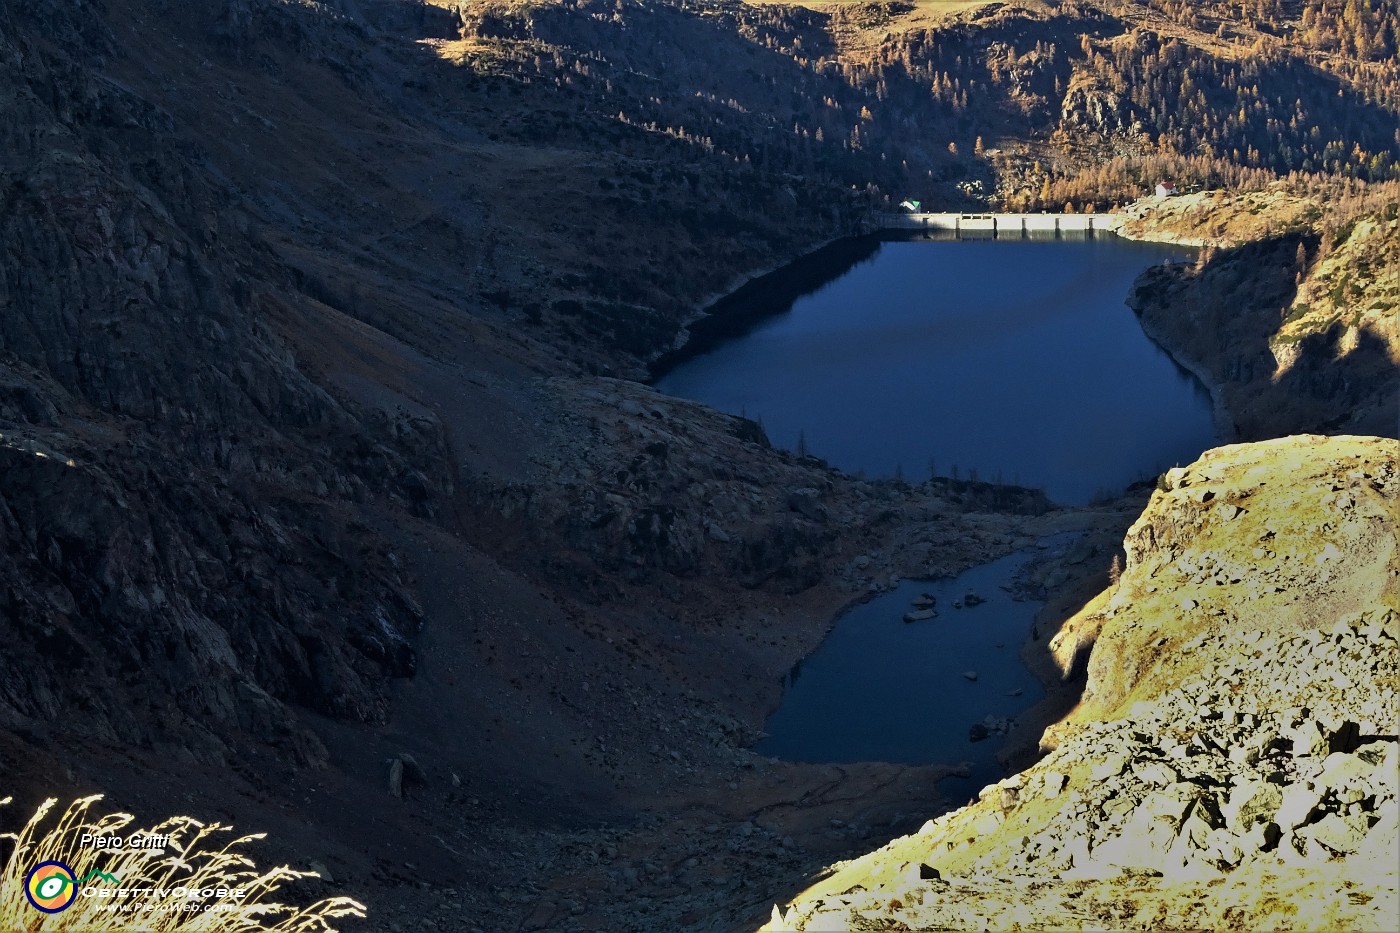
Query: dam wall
column 1021, row 225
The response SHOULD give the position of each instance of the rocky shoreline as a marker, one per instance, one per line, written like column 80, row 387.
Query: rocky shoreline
column 764, row 293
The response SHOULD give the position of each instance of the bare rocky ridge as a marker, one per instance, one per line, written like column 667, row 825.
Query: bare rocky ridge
column 1225, row 771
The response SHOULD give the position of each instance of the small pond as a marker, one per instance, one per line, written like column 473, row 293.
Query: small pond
column 883, row 689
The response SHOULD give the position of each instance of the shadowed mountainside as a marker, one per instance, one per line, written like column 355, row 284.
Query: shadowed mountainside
column 165, row 458
column 304, row 467
column 310, row 454
column 1293, row 321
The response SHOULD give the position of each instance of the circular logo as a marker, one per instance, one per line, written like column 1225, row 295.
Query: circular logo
column 51, row 887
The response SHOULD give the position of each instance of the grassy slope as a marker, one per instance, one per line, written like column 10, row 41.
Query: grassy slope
column 1356, row 285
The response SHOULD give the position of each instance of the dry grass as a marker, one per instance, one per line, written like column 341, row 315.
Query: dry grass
column 861, row 34
column 870, row 33
column 197, row 857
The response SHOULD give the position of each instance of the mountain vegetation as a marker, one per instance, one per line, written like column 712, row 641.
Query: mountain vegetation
column 1085, row 103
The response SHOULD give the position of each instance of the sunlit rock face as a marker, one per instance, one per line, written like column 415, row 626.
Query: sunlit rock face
column 1235, row 756
column 1289, row 313
column 1281, row 535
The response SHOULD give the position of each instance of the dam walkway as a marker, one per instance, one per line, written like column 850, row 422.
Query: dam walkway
column 999, row 225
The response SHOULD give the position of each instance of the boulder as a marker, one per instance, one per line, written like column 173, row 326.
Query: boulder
column 1261, row 837
column 413, row 772
column 1344, row 736
column 1298, row 804
column 997, row 725
column 1342, row 772
column 1309, row 740
column 1110, row 765
column 1171, row 804
column 396, row 777
column 1251, row 802
column 804, row 502
column 1338, row 832
column 1142, row 843
column 1010, row 797
column 1156, row 773
column 1383, row 841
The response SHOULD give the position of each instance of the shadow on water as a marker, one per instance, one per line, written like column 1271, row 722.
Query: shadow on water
column 767, row 296
column 1013, row 359
column 774, row 294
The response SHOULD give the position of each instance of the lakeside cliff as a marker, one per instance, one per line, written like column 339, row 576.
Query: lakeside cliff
column 1290, row 312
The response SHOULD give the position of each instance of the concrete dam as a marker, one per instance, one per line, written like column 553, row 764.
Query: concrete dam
column 999, row 225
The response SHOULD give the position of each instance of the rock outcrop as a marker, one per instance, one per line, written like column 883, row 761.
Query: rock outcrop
column 1284, row 535
column 1235, row 762
column 1218, row 219
column 1289, row 314
column 640, row 487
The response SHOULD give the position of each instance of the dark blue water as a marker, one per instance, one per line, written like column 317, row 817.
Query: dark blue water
column 882, row 689
column 1017, row 360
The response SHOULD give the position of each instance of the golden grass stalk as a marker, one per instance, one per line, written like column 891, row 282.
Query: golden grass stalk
column 192, row 859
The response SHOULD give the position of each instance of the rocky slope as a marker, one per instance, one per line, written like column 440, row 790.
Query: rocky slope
column 310, row 455
column 1217, row 218
column 1234, row 763
column 641, row 487
column 306, row 464
column 1290, row 313
column 1347, row 305
column 1291, row 533
column 166, row 461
